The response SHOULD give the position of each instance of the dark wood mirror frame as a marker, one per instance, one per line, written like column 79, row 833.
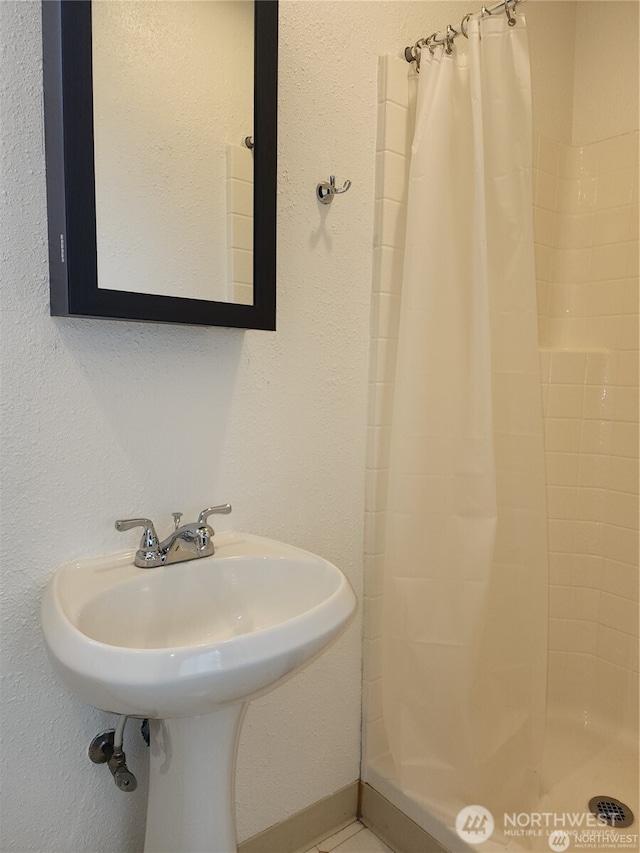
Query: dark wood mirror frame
column 71, row 203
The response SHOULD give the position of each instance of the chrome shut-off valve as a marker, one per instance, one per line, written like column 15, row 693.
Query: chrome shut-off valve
column 104, row 750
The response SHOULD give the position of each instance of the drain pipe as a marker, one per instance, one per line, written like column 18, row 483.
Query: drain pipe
column 106, row 748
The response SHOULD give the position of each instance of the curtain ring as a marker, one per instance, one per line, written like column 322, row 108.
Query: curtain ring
column 463, row 22
column 416, row 51
column 429, row 43
column 511, row 18
column 451, row 34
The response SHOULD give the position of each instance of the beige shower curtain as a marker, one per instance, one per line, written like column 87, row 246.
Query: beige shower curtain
column 465, row 599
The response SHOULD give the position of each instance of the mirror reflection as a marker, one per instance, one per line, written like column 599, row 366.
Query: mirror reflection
column 173, row 104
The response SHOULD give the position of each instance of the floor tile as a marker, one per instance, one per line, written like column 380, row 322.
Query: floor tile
column 363, row 842
column 333, row 841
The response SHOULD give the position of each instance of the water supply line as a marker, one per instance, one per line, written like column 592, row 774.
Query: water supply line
column 118, row 735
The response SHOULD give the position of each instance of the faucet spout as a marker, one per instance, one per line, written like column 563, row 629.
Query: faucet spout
column 186, row 542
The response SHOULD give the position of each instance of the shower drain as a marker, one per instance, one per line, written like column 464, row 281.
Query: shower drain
column 611, row 811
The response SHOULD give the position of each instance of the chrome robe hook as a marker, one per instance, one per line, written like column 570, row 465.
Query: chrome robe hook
column 326, row 191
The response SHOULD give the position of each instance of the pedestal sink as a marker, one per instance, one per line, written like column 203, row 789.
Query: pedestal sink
column 188, row 645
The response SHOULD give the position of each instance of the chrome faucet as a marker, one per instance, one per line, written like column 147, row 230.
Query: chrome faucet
column 185, row 542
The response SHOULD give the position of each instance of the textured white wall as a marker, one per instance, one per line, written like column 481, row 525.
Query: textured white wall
column 552, row 30
column 605, row 96
column 584, row 68
column 103, row 419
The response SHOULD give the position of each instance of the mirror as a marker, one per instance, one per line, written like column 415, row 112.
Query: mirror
column 172, row 106
column 160, row 132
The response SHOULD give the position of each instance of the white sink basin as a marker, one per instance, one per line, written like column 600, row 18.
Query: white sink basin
column 185, row 639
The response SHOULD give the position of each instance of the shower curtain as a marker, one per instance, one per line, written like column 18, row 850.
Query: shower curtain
column 465, row 595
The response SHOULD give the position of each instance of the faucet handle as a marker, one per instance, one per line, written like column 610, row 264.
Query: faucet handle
column 223, row 509
column 149, row 539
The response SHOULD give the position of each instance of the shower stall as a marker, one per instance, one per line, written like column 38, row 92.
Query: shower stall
column 501, row 608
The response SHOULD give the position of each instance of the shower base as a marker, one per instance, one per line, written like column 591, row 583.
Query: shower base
column 582, row 760
column 585, row 761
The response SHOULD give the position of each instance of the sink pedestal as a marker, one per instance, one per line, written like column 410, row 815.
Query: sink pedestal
column 191, row 783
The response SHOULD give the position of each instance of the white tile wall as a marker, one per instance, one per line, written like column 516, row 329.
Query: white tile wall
column 586, row 227
column 240, row 224
column 592, row 498
column 588, row 321
column 396, row 97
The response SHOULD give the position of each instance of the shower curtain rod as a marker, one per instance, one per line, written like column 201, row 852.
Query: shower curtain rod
column 412, row 54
